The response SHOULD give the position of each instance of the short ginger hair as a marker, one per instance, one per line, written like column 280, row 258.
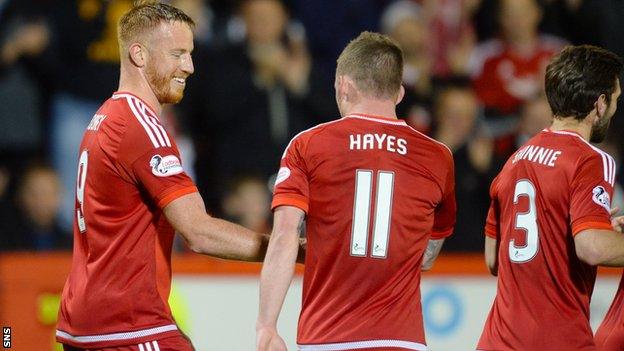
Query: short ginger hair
column 375, row 63
column 145, row 16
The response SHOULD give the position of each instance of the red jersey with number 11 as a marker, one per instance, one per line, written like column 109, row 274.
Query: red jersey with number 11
column 552, row 188
column 375, row 191
column 118, row 287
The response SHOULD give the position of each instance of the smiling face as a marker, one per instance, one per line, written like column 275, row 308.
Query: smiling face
column 169, row 61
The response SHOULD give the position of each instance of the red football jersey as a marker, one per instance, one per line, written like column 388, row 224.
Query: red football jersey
column 118, row 287
column 610, row 334
column 374, row 191
column 504, row 79
column 552, row 188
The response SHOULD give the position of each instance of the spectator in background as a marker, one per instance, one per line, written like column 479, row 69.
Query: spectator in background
column 23, row 37
column 509, row 70
column 248, row 203
column 83, row 62
column 404, row 22
column 331, row 24
column 457, row 116
column 38, row 202
column 452, row 35
column 535, row 115
column 247, row 100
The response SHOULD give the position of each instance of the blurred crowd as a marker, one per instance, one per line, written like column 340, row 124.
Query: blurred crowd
column 264, row 70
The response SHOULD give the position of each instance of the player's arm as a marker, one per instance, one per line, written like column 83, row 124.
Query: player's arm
column 277, row 273
column 444, row 215
column 491, row 255
column 212, row 236
column 431, row 253
column 602, row 247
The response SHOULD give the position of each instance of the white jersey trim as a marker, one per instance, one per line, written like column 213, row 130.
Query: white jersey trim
column 356, row 345
column 116, row 336
column 608, row 163
column 398, row 122
column 148, row 120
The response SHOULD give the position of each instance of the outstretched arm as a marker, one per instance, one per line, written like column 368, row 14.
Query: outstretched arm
column 212, row 236
column 277, row 273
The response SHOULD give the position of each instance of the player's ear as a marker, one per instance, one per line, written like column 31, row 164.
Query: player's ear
column 401, row 95
column 137, row 54
column 601, row 106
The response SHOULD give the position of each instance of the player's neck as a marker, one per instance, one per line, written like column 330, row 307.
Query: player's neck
column 373, row 108
column 139, row 87
column 571, row 124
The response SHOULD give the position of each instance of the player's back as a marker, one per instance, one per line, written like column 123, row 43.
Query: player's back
column 119, row 283
column 551, row 189
column 376, row 187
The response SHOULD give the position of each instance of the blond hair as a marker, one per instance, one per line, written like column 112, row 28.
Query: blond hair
column 375, row 63
column 145, row 16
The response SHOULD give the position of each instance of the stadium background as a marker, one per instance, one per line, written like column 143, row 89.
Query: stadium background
column 264, row 71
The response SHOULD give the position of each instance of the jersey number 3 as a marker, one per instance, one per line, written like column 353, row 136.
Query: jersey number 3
column 527, row 222
column 361, row 213
column 80, row 189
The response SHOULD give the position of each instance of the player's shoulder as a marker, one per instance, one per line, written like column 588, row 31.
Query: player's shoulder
column 302, row 139
column 436, row 148
column 587, row 156
column 142, row 123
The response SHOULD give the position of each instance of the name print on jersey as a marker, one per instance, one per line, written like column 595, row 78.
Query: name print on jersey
column 378, row 141
column 537, row 154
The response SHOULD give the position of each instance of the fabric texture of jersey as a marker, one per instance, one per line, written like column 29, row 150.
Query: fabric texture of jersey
column 375, row 192
column 552, row 188
column 610, row 334
column 119, row 283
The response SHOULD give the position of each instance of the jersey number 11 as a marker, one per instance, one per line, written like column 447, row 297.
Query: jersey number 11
column 361, row 213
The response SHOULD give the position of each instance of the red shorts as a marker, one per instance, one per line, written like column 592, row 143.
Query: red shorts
column 174, row 343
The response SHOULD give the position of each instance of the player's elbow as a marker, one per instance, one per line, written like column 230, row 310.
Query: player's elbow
column 589, row 254
column 588, row 248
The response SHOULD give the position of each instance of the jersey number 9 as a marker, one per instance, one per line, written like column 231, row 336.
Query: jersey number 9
column 80, row 189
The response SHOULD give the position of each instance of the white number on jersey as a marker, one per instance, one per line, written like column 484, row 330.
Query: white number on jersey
column 80, row 189
column 362, row 209
column 527, row 222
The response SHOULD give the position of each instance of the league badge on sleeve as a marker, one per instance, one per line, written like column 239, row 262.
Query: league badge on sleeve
column 165, row 166
column 282, row 175
column 601, row 197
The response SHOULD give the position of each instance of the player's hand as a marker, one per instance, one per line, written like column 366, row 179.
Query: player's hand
column 617, row 222
column 267, row 339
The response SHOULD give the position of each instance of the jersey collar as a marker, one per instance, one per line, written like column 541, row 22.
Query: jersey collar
column 377, row 118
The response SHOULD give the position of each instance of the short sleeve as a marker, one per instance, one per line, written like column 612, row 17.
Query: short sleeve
column 160, row 173
column 148, row 157
column 591, row 193
column 291, row 185
column 493, row 215
column 445, row 212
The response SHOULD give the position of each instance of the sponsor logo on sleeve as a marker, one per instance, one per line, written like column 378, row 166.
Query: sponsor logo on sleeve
column 601, row 197
column 165, row 166
column 282, row 175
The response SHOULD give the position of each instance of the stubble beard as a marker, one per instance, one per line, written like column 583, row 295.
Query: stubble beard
column 161, row 86
column 599, row 131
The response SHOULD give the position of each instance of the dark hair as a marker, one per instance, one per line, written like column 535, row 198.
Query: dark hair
column 145, row 16
column 576, row 78
column 375, row 63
